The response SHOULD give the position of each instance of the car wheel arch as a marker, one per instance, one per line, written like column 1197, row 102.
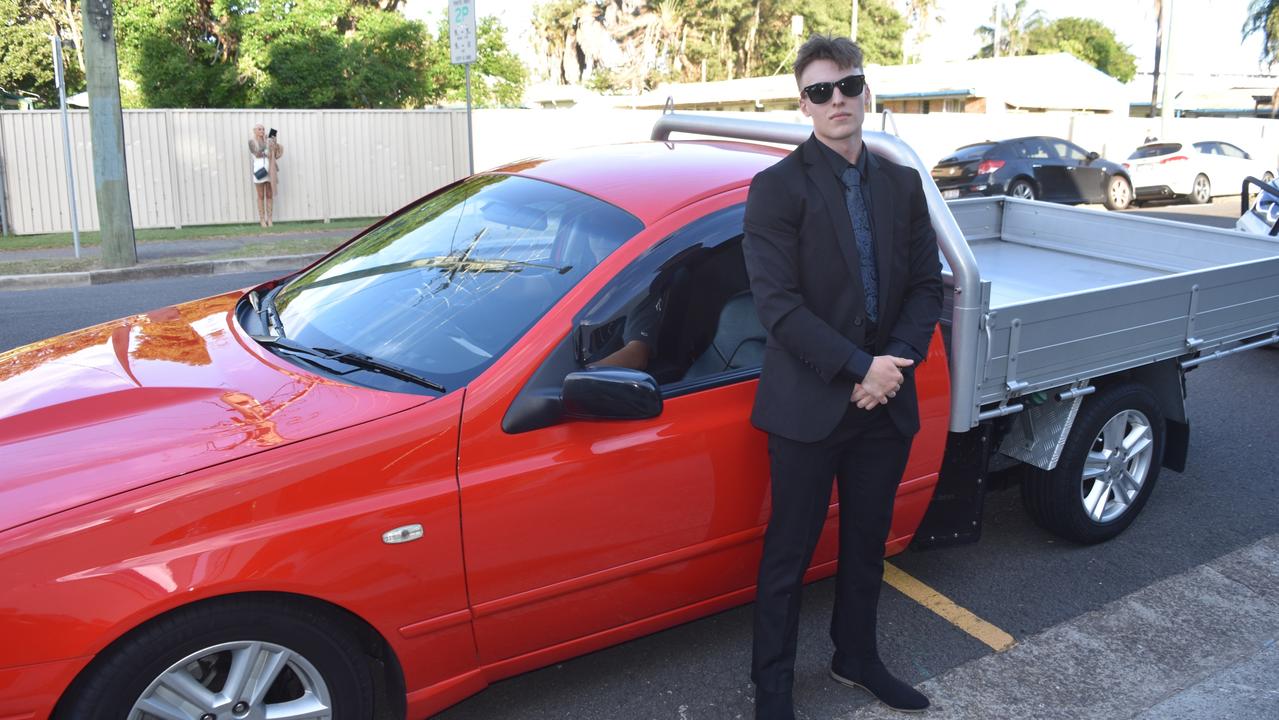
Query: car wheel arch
column 385, row 663
column 1029, row 180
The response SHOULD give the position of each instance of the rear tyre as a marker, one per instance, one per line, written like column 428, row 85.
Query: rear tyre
column 1201, row 191
column 1022, row 189
column 1118, row 193
column 1108, row 467
column 235, row 658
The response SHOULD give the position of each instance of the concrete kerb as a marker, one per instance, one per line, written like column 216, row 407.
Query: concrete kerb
column 282, row 263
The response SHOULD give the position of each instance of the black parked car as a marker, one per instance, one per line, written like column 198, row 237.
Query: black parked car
column 1034, row 168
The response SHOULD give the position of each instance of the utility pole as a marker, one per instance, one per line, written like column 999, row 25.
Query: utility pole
column 106, row 123
column 1166, row 107
column 1160, row 19
column 853, row 32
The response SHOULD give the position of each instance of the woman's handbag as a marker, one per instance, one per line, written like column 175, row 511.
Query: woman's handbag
column 259, row 168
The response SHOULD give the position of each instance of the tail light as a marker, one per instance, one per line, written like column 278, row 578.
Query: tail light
column 989, row 166
column 1174, row 157
column 1126, row 165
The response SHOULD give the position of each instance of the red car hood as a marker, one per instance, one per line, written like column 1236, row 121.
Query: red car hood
column 117, row 406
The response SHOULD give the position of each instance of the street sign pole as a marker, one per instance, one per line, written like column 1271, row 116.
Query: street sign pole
column 59, row 78
column 470, row 141
column 462, row 46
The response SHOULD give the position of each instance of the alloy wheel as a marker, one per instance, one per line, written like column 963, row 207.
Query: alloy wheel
column 1202, row 190
column 1117, row 466
column 1120, row 194
column 236, row 681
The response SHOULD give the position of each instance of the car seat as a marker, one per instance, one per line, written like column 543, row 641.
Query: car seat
column 738, row 343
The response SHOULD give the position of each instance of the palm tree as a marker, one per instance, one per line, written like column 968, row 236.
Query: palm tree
column 1014, row 31
column 918, row 13
column 1263, row 17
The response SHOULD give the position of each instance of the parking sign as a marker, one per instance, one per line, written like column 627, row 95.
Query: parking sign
column 462, row 31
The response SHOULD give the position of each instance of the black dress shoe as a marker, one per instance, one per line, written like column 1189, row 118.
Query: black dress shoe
column 773, row 705
column 876, row 680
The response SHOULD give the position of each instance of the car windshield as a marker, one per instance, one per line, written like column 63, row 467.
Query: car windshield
column 444, row 287
column 1156, row 150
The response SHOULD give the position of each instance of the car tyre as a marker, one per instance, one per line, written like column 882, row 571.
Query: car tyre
column 1095, row 492
column 294, row 660
column 1118, row 193
column 1022, row 189
column 1201, row 191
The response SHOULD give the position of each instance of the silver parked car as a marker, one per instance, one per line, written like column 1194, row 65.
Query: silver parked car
column 1196, row 171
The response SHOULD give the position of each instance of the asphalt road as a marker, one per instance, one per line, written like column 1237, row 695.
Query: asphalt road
column 1019, row 577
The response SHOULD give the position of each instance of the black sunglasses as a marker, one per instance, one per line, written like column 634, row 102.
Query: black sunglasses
column 850, row 86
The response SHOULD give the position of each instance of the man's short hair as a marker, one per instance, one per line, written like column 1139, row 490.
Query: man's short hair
column 843, row 52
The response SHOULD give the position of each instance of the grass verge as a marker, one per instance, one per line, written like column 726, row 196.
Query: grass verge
column 265, row 248
column 197, row 232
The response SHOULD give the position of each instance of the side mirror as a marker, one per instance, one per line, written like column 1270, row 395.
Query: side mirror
column 1093, row 155
column 609, row 393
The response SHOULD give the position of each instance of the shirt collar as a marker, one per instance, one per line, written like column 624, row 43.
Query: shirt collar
column 838, row 163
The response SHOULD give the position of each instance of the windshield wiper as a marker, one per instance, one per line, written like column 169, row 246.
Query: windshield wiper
column 364, row 362
column 267, row 314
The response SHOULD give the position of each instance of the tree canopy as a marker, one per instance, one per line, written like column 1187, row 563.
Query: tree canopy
column 1090, row 41
column 269, row 53
column 26, row 54
column 1085, row 38
column 633, row 45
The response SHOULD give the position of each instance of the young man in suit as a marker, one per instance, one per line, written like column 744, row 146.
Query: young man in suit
column 844, row 269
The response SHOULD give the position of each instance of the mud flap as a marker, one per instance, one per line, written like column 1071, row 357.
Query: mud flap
column 954, row 515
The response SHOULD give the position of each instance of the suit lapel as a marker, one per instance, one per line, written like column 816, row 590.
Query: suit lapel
column 832, row 195
column 882, row 201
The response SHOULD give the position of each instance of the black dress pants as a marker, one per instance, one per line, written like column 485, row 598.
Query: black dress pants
column 867, row 456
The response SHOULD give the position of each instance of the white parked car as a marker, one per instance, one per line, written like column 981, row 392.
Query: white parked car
column 1197, row 171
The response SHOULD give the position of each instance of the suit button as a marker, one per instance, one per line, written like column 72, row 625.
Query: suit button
column 858, row 321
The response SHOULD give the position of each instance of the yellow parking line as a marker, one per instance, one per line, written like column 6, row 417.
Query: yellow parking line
column 997, row 639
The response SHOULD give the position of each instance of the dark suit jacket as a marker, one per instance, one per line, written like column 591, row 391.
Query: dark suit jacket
column 805, row 275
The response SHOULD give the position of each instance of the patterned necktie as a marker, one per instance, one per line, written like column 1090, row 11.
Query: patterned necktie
column 865, row 242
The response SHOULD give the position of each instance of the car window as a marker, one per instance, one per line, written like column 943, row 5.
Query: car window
column 1037, row 149
column 970, row 152
column 1231, row 151
column 1154, row 150
column 446, row 286
column 1068, row 151
column 687, row 303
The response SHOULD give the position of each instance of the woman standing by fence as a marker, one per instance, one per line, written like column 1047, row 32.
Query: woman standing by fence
column 265, row 151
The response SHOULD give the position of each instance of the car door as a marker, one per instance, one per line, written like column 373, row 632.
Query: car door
column 576, row 527
column 1049, row 170
column 1213, row 164
column 1086, row 180
column 1239, row 164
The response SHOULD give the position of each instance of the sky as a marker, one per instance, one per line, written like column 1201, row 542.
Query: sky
column 1205, row 33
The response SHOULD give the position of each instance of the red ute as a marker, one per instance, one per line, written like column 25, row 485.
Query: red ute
column 400, row 462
